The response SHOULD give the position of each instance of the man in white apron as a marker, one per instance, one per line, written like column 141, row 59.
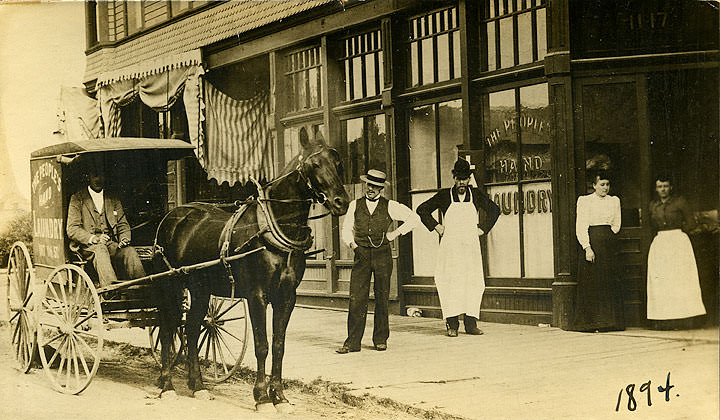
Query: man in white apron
column 459, row 278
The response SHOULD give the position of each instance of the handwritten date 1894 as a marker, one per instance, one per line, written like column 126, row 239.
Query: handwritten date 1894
column 646, row 387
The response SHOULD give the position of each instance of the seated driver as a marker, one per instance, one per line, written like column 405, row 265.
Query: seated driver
column 98, row 228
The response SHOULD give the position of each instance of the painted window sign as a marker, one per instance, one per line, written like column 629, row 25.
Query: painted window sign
column 47, row 212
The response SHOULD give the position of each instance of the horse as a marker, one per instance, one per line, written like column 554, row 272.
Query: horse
column 277, row 220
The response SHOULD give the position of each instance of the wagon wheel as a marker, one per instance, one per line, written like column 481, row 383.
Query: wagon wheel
column 178, row 344
column 70, row 329
column 20, row 280
column 223, row 338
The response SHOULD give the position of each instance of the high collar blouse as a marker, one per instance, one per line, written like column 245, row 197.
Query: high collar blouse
column 593, row 210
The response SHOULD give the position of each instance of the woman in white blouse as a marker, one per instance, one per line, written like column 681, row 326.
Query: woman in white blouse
column 599, row 301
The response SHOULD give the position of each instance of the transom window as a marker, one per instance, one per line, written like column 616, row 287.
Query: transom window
column 514, row 33
column 362, row 61
column 434, row 47
column 303, row 70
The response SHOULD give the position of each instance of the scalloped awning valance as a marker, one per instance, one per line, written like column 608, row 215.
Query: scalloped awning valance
column 150, row 67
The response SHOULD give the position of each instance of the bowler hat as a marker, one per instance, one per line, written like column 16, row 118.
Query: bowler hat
column 374, row 177
column 461, row 170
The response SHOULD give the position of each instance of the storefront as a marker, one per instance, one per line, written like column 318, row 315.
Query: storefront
column 532, row 92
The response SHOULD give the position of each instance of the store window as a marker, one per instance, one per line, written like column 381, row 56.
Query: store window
column 434, row 47
column 517, row 178
column 362, row 62
column 435, row 133
column 366, row 146
column 514, row 33
column 303, row 71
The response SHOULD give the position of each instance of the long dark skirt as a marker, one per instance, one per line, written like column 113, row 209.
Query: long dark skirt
column 599, row 301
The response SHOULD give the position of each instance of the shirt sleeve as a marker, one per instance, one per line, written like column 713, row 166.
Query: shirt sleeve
column 401, row 212
column 616, row 220
column 347, row 228
column 582, row 223
column 688, row 222
column 426, row 209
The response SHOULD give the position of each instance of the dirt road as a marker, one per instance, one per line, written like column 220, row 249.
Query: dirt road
column 124, row 389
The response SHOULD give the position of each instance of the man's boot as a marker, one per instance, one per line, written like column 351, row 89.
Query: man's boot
column 452, row 324
column 471, row 325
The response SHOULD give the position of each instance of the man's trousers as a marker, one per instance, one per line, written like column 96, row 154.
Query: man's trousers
column 368, row 262
column 104, row 257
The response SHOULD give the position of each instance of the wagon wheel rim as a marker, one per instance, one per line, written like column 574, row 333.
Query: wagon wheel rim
column 223, row 338
column 70, row 329
column 178, row 344
column 19, row 284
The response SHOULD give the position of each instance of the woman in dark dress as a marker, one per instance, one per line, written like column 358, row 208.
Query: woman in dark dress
column 599, row 303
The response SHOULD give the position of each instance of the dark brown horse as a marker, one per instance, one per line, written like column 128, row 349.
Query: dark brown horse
column 277, row 220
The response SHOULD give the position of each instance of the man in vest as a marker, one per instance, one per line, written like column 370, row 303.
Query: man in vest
column 467, row 214
column 366, row 230
column 98, row 229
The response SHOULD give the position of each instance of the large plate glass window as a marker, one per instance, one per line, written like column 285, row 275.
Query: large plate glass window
column 435, row 131
column 362, row 61
column 513, row 33
column 366, row 146
column 517, row 176
column 303, row 71
column 434, row 47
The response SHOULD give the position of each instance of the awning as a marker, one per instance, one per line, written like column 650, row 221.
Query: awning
column 149, row 67
column 73, row 149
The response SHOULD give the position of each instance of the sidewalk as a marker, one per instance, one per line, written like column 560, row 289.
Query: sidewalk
column 510, row 372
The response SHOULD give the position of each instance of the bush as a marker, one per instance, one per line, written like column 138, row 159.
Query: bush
column 18, row 229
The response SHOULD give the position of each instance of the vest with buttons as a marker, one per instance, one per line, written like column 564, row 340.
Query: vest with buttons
column 370, row 229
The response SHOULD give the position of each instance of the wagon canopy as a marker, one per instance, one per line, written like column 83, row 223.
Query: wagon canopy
column 171, row 148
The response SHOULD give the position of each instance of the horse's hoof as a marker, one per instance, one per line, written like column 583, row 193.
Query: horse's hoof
column 285, row 408
column 265, row 408
column 169, row 395
column 203, row 394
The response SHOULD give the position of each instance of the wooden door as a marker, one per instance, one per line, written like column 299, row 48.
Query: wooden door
column 612, row 133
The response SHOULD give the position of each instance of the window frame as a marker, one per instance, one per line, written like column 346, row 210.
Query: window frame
column 288, row 73
column 410, row 39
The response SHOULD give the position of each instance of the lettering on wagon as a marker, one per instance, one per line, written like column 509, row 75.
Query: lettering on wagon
column 48, row 227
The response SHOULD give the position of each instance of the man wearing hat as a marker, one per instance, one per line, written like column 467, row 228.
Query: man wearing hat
column 366, row 230
column 98, row 229
column 467, row 214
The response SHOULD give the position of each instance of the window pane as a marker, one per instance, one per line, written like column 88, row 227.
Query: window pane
column 537, row 230
column 450, row 138
column 525, row 46
column 456, row 54
column 535, row 131
column 357, row 77
column 428, row 63
column 491, row 55
column 541, row 34
column 443, row 62
column 501, row 139
column 378, row 147
column 348, row 94
column 370, row 74
column 503, row 244
column 414, row 65
column 314, row 87
column 355, row 146
column 422, row 148
column 425, row 243
column 506, row 43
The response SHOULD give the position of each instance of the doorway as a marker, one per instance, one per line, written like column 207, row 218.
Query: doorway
column 612, row 133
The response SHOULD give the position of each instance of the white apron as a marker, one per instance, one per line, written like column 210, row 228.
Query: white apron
column 673, row 287
column 459, row 276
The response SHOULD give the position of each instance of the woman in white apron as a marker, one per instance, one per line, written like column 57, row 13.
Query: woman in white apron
column 459, row 274
column 673, row 287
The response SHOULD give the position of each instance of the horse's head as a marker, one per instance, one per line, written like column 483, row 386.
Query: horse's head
column 322, row 167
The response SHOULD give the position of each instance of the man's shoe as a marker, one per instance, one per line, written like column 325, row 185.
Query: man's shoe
column 473, row 330
column 380, row 347
column 345, row 349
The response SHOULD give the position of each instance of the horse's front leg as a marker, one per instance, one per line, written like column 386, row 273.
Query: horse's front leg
column 169, row 316
column 200, row 297
column 283, row 305
column 257, row 304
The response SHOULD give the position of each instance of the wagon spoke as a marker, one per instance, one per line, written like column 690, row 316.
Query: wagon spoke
column 81, row 356
column 223, row 329
column 214, row 359
column 202, row 341
column 64, row 297
column 57, row 350
column 17, row 314
column 71, row 356
column 60, row 369
column 226, row 320
column 85, row 318
column 53, row 312
column 234, row 304
column 222, row 341
column 58, row 335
